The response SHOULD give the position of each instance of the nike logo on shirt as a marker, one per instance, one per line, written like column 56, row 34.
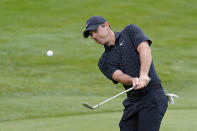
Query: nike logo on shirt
column 122, row 42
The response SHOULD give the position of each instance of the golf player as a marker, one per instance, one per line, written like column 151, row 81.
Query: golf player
column 127, row 60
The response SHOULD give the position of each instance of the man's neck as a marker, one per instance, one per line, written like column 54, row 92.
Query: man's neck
column 111, row 38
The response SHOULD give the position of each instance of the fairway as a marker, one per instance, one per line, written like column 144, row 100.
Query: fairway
column 42, row 93
column 173, row 121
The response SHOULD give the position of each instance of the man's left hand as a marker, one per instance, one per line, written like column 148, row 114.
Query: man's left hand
column 143, row 82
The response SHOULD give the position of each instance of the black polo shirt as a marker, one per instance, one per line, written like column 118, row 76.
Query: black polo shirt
column 124, row 55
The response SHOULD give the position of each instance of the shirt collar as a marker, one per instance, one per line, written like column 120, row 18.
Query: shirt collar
column 117, row 36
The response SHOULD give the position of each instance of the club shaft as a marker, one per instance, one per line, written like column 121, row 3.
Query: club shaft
column 114, row 97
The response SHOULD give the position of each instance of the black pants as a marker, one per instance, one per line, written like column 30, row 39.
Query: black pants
column 145, row 112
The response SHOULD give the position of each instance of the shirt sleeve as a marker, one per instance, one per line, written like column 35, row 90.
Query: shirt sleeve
column 137, row 35
column 107, row 69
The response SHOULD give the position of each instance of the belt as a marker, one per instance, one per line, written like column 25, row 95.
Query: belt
column 137, row 93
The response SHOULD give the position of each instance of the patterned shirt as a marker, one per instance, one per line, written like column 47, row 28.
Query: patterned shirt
column 124, row 55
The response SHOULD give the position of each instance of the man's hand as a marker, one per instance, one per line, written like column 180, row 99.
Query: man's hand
column 135, row 81
column 143, row 82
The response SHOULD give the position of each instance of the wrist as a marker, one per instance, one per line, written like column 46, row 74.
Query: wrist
column 143, row 76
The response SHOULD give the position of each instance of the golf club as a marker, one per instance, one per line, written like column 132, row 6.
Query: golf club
column 93, row 107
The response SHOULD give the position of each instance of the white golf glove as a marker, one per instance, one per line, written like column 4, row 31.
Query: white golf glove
column 170, row 98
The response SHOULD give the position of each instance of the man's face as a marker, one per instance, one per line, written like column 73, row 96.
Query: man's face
column 100, row 35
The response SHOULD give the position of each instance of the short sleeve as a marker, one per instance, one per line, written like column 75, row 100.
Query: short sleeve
column 137, row 35
column 107, row 69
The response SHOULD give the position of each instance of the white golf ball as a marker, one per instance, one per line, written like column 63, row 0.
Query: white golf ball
column 50, row 53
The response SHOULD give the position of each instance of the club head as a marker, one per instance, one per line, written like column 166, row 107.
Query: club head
column 87, row 105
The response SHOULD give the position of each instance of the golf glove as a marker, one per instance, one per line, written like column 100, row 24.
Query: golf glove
column 170, row 98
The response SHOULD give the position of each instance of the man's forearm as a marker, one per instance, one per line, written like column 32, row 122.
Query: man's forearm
column 145, row 59
column 123, row 78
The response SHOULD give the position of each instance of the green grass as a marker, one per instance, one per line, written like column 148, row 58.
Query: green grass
column 173, row 121
column 45, row 93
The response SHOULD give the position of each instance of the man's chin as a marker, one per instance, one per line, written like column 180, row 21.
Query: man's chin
column 101, row 43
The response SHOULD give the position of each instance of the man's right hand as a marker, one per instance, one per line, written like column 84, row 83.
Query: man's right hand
column 135, row 81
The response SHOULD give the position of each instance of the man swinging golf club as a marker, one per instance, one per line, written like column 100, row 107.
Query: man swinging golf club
column 127, row 59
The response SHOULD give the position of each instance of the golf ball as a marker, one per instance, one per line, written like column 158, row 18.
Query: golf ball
column 50, row 53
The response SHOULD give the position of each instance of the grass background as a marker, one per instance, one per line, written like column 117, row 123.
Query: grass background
column 45, row 93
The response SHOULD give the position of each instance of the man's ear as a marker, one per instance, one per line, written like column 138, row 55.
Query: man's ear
column 107, row 25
